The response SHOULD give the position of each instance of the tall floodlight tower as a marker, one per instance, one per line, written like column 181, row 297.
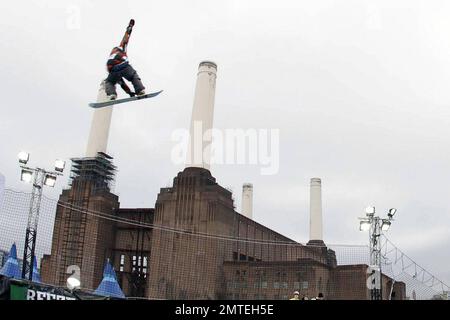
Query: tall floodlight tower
column 39, row 178
column 375, row 225
column 247, row 200
column 101, row 121
column 198, row 153
column 315, row 226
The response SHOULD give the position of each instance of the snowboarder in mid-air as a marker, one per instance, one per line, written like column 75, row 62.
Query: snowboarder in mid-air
column 119, row 68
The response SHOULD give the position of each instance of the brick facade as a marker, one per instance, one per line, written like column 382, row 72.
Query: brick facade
column 188, row 248
column 81, row 239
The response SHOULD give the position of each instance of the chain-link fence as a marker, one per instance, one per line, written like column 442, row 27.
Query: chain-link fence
column 180, row 251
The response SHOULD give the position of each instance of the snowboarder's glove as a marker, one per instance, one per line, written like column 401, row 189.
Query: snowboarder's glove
column 132, row 94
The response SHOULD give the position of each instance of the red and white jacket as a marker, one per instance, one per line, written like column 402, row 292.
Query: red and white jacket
column 118, row 55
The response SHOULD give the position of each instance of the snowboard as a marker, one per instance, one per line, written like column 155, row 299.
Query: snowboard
column 117, row 101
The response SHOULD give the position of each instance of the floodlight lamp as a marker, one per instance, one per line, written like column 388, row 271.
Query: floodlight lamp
column 23, row 157
column 26, row 175
column 60, row 165
column 73, row 282
column 50, row 180
column 385, row 225
column 370, row 210
column 364, row 225
column 391, row 212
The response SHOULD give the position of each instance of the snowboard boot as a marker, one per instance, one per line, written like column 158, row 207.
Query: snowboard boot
column 112, row 97
column 140, row 93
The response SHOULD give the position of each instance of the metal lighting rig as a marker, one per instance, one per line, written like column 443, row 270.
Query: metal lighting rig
column 39, row 178
column 375, row 225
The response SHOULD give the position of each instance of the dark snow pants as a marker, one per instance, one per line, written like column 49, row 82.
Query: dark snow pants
column 126, row 72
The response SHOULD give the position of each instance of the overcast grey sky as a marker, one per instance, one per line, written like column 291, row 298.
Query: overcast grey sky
column 358, row 89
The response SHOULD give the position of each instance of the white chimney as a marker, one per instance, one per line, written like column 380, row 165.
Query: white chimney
column 101, row 121
column 315, row 227
column 199, row 153
column 247, row 200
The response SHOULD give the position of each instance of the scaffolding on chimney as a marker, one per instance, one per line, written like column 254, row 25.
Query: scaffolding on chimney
column 89, row 176
column 98, row 170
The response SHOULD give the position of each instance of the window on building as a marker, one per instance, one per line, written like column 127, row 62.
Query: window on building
column 260, row 285
column 122, row 262
column 139, row 262
column 284, row 285
column 297, row 285
column 276, row 285
column 133, row 263
column 305, row 285
column 144, row 269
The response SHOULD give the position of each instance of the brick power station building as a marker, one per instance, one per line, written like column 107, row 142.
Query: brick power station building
column 193, row 244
